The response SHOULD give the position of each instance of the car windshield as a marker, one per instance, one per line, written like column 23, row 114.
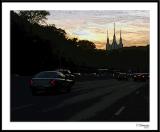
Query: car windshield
column 49, row 75
column 65, row 71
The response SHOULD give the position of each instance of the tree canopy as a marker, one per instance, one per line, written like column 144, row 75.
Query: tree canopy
column 85, row 44
column 34, row 16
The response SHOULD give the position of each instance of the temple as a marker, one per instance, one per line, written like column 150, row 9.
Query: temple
column 114, row 44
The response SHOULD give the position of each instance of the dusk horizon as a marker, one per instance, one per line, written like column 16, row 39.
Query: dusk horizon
column 93, row 25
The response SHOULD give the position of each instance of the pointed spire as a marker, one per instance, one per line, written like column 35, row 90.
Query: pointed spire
column 114, row 27
column 107, row 37
column 107, row 33
column 120, row 41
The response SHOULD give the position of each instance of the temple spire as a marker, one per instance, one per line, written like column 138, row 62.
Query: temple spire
column 107, row 37
column 114, row 28
column 107, row 33
column 107, row 44
column 120, row 41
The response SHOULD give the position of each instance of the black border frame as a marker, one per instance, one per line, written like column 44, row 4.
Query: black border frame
column 114, row 1
column 80, row 0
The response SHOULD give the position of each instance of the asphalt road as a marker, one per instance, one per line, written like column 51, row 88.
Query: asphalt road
column 97, row 100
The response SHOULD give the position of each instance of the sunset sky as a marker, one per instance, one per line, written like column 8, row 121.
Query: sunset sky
column 92, row 25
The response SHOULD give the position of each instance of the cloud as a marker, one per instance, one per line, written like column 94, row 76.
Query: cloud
column 80, row 32
column 93, row 24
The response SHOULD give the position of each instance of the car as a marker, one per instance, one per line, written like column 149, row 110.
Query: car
column 130, row 76
column 116, row 74
column 77, row 75
column 50, row 82
column 141, row 76
column 93, row 74
column 122, row 76
column 102, row 72
column 67, row 73
column 145, row 76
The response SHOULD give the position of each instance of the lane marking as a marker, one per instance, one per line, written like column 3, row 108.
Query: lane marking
column 119, row 111
column 86, row 96
column 21, row 107
column 102, row 105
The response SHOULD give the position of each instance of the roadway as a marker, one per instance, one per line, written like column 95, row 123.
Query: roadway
column 92, row 100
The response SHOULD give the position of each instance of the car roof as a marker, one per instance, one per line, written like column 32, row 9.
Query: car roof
column 50, row 72
column 62, row 70
column 54, row 72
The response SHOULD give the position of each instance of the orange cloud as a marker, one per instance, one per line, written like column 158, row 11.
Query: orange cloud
column 93, row 25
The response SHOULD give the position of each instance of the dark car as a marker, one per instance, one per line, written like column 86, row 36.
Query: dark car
column 77, row 75
column 130, row 76
column 50, row 82
column 102, row 72
column 145, row 76
column 122, row 76
column 116, row 74
column 141, row 76
column 67, row 73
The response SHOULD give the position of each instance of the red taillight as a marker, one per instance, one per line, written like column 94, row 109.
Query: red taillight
column 53, row 82
column 31, row 82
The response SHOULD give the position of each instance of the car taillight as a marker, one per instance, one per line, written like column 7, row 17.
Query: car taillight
column 31, row 82
column 53, row 82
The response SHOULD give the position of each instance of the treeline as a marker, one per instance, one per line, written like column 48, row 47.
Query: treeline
column 36, row 47
column 130, row 58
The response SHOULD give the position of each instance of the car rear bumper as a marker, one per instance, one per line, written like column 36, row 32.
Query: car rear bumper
column 40, row 89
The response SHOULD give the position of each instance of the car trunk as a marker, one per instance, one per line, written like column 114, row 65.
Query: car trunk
column 38, row 82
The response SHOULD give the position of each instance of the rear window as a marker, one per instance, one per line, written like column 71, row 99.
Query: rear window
column 49, row 75
column 65, row 71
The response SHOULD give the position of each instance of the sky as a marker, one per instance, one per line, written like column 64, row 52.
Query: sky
column 92, row 25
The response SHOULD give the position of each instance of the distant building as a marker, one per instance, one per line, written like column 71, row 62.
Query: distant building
column 114, row 44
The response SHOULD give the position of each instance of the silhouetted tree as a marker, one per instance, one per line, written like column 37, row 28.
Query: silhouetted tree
column 85, row 44
column 34, row 16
